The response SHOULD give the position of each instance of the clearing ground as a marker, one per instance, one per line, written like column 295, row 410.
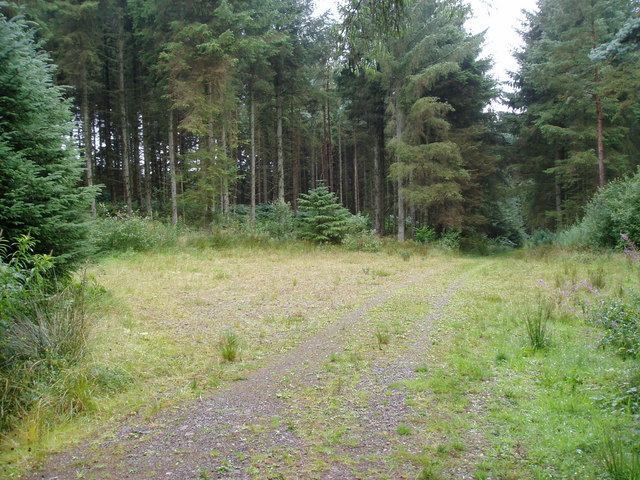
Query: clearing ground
column 352, row 366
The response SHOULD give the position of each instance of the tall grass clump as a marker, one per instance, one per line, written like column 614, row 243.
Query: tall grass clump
column 537, row 325
column 620, row 460
column 229, row 346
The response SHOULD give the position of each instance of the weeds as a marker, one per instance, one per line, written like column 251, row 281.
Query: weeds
column 229, row 346
column 597, row 277
column 620, row 461
column 382, row 336
column 536, row 323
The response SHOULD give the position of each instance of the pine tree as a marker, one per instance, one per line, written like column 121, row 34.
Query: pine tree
column 40, row 170
column 323, row 218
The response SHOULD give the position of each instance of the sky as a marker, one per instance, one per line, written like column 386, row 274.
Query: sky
column 501, row 18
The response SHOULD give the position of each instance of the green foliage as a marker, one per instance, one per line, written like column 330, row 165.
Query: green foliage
column 40, row 171
column 620, row 319
column 425, row 234
column 613, row 211
column 362, row 242
column 323, row 219
column 276, row 220
column 22, row 276
column 122, row 233
column 42, row 330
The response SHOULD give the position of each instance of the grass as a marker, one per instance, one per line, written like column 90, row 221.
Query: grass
column 479, row 397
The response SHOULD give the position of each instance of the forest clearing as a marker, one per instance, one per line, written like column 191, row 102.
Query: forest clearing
column 243, row 239
column 349, row 365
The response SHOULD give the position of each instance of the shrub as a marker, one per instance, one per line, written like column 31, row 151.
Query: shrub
column 425, row 234
column 621, row 320
column 323, row 218
column 42, row 330
column 122, row 233
column 615, row 209
column 363, row 242
column 276, row 220
column 449, row 240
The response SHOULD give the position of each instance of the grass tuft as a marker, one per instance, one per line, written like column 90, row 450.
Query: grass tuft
column 536, row 324
column 229, row 346
column 620, row 461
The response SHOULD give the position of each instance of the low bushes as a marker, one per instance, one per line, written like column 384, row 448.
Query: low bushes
column 122, row 233
column 42, row 328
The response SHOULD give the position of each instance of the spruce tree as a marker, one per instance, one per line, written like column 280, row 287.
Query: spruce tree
column 39, row 169
column 323, row 218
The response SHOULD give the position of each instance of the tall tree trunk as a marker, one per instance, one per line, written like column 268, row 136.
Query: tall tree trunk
column 172, row 171
column 401, row 217
column 340, row 171
column 356, row 180
column 253, row 157
column 558, row 198
column 329, row 141
column 137, row 167
column 225, row 179
column 123, row 121
column 297, row 165
column 280, row 146
column 599, row 116
column 600, row 132
column 146, row 147
column 377, row 189
column 87, row 137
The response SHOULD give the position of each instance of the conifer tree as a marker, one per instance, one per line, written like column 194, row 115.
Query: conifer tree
column 323, row 218
column 40, row 169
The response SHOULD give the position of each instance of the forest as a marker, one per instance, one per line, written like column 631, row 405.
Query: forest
column 204, row 111
column 239, row 239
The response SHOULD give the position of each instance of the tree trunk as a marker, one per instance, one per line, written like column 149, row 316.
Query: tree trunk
column 399, row 127
column 297, row 166
column 356, row 180
column 558, row 197
column 280, row 147
column 598, row 101
column 377, row 189
column 225, row 179
column 340, row 171
column 88, row 138
column 172, row 172
column 600, row 133
column 123, row 122
column 146, row 146
column 253, row 157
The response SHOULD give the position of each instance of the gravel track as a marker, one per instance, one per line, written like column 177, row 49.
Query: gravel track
column 217, row 437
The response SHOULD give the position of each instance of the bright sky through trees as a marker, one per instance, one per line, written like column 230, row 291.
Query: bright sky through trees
column 500, row 18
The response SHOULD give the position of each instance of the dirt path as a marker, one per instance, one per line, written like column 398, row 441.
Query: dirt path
column 255, row 428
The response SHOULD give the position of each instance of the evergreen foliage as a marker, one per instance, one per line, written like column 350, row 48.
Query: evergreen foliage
column 579, row 121
column 39, row 171
column 613, row 211
column 323, row 218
